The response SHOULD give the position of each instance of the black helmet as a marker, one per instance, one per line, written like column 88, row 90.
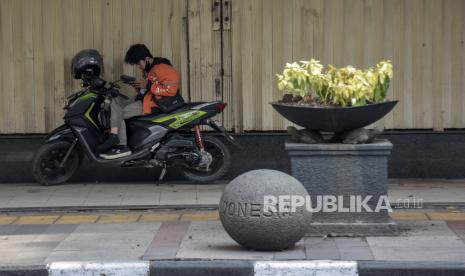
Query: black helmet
column 88, row 62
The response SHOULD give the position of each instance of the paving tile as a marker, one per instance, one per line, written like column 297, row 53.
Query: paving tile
column 202, row 216
column 208, row 240
column 177, row 187
column 116, row 242
column 458, row 227
column 321, row 249
column 8, row 229
column 428, row 191
column 46, row 219
column 38, row 249
column 446, row 215
column 11, row 246
column 408, row 216
column 15, row 238
column 18, row 204
column 118, row 218
column 5, row 200
column 77, row 219
column 102, row 201
column 165, row 244
column 148, row 199
column 32, row 229
column 296, row 252
column 419, row 240
column 142, row 192
column 143, row 187
column 178, row 198
column 109, row 189
column 64, row 203
column 67, row 197
column 209, row 197
column 31, row 197
column 160, row 217
column 7, row 219
column 71, row 195
column 4, row 194
column 353, row 249
column 210, row 187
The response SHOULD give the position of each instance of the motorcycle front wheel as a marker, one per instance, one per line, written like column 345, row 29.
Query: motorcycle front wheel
column 219, row 166
column 46, row 163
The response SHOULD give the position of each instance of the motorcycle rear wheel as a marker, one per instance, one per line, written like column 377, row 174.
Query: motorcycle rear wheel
column 220, row 164
column 45, row 164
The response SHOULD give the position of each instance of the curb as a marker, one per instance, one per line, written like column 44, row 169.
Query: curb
column 399, row 268
column 240, row 268
column 27, row 270
column 201, row 268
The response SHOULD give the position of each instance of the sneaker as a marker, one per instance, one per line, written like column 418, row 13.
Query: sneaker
column 111, row 141
column 116, row 152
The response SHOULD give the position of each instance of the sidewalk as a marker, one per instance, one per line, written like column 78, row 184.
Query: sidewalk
column 19, row 195
column 192, row 242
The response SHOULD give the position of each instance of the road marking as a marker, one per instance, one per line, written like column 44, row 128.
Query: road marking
column 91, row 269
column 203, row 216
column 36, row 220
column 303, row 268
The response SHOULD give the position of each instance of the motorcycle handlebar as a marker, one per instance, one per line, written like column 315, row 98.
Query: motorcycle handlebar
column 114, row 92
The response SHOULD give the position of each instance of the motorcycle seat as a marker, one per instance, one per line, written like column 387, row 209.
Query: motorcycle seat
column 151, row 116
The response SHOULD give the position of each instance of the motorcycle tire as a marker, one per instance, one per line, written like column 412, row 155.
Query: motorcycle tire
column 45, row 164
column 200, row 177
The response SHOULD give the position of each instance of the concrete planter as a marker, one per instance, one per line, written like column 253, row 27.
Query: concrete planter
column 349, row 173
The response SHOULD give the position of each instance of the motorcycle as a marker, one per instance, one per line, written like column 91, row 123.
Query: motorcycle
column 172, row 140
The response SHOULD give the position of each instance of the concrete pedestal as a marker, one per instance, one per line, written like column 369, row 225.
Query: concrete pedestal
column 350, row 174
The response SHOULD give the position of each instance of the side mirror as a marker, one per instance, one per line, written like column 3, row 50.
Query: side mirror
column 127, row 79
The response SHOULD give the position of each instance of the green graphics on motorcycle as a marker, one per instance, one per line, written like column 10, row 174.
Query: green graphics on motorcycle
column 180, row 119
column 87, row 114
column 85, row 104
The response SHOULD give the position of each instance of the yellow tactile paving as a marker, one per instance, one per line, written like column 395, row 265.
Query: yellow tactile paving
column 200, row 216
column 7, row 219
column 118, row 218
column 188, row 216
column 159, row 217
column 446, row 215
column 408, row 216
column 36, row 220
column 77, row 219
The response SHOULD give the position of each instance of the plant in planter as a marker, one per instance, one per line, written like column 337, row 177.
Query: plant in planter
column 337, row 99
column 337, row 87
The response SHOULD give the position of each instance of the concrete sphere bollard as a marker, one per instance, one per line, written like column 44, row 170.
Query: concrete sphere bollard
column 254, row 225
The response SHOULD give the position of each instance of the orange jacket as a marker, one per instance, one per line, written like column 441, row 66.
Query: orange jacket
column 165, row 83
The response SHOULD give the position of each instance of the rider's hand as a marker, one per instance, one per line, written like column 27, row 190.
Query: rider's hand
column 140, row 83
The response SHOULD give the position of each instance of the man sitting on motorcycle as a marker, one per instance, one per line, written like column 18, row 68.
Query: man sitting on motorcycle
column 160, row 80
